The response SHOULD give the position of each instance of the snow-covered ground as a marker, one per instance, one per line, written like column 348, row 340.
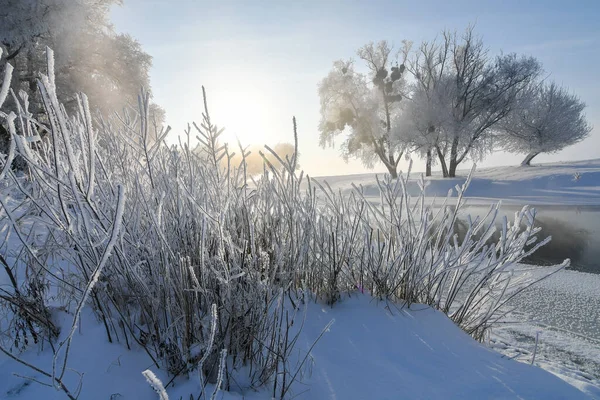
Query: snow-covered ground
column 372, row 351
column 564, row 312
column 567, row 183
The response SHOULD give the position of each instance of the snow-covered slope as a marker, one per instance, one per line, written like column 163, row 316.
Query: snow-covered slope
column 382, row 352
column 573, row 182
column 372, row 351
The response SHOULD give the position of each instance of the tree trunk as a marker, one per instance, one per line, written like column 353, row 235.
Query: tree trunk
column 527, row 160
column 452, row 169
column 428, row 163
column 442, row 162
column 453, row 158
column 392, row 171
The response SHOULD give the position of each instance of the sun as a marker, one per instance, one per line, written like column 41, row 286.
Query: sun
column 244, row 113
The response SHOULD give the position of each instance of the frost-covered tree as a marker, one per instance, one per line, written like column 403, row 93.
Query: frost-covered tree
column 89, row 55
column 426, row 113
column 469, row 91
column 546, row 118
column 366, row 107
column 482, row 94
column 429, row 105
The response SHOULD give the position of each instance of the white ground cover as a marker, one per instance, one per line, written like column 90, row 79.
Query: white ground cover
column 574, row 182
column 371, row 351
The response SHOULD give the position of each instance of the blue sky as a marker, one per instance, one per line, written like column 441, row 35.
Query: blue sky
column 261, row 61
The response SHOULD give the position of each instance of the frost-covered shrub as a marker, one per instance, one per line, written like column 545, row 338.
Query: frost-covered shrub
column 417, row 255
column 153, row 237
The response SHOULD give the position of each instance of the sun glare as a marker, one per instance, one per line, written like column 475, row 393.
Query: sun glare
column 244, row 112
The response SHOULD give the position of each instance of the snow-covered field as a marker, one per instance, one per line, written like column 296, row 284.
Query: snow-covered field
column 563, row 311
column 566, row 183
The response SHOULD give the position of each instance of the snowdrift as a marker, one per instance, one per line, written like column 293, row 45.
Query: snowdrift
column 372, row 351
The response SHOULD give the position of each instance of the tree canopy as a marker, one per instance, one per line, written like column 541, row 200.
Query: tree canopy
column 468, row 91
column 365, row 106
column 447, row 100
column 546, row 118
column 90, row 56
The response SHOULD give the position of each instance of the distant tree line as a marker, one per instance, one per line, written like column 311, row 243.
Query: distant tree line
column 256, row 158
column 446, row 101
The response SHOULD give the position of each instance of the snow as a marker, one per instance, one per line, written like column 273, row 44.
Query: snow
column 372, row 350
column 108, row 369
column 570, row 334
column 379, row 351
column 553, row 183
column 564, row 308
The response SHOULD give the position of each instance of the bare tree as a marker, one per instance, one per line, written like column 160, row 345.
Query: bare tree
column 428, row 109
column 366, row 107
column 483, row 94
column 547, row 118
column 467, row 93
